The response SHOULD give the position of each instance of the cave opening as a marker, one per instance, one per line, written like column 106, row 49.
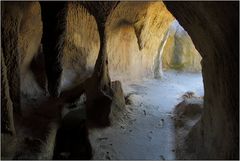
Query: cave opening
column 119, row 80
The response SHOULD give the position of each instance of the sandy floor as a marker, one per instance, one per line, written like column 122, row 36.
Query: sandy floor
column 149, row 133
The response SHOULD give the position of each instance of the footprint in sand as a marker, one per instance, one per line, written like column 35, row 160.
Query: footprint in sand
column 106, row 152
column 107, row 156
column 149, row 137
column 162, row 157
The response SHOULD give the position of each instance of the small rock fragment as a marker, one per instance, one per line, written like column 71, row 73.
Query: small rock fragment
column 162, row 157
column 161, row 122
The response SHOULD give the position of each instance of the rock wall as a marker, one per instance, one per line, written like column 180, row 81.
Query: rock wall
column 214, row 29
column 131, row 48
column 29, row 40
column 22, row 32
column 7, row 123
column 179, row 52
column 135, row 31
column 30, row 34
column 9, row 44
column 81, row 50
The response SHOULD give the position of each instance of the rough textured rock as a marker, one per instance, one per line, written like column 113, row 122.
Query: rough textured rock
column 98, row 90
column 186, row 114
column 10, row 28
column 30, row 34
column 81, row 50
column 101, row 10
column 127, row 27
column 7, row 124
column 134, row 33
column 132, row 50
column 189, row 109
column 98, row 86
column 213, row 27
column 29, row 39
column 179, row 52
column 118, row 93
column 26, row 16
column 118, row 108
column 54, row 27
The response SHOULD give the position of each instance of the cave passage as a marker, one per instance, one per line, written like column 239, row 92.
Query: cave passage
column 150, row 123
column 119, row 80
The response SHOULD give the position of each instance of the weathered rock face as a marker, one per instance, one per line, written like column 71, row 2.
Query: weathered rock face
column 12, row 15
column 185, row 115
column 7, row 125
column 213, row 27
column 179, row 52
column 135, row 31
column 81, row 50
column 130, row 47
column 29, row 40
column 10, row 28
column 26, row 17
column 30, row 34
column 118, row 110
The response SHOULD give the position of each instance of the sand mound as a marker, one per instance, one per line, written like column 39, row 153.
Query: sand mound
column 186, row 115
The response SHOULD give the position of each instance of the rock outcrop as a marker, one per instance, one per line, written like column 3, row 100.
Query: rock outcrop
column 186, row 115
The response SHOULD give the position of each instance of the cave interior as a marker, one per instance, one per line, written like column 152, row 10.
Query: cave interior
column 76, row 77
